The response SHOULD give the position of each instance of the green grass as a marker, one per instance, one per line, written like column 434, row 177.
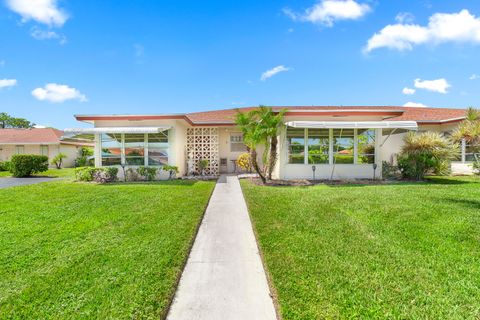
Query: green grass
column 402, row 251
column 68, row 173
column 85, row 251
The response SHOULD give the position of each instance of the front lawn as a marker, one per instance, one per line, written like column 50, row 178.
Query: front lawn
column 408, row 250
column 76, row 250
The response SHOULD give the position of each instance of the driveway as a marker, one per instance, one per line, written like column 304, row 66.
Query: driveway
column 15, row 182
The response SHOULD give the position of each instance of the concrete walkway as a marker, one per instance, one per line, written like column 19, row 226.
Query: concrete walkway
column 224, row 277
column 15, row 182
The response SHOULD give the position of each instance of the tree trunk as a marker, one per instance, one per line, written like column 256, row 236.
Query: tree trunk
column 273, row 156
column 253, row 156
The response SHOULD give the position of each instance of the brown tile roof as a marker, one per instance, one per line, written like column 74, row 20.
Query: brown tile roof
column 396, row 113
column 30, row 136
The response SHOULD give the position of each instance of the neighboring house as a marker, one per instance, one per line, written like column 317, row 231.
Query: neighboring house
column 341, row 142
column 41, row 141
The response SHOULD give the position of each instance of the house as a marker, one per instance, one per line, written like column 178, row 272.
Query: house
column 341, row 142
column 41, row 141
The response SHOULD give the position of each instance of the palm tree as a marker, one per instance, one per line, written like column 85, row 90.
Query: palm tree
column 469, row 129
column 251, row 137
column 269, row 123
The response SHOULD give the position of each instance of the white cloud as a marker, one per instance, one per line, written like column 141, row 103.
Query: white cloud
column 408, row 91
column 415, row 105
column 474, row 77
column 270, row 73
column 326, row 12
column 58, row 93
column 40, row 34
column 5, row 83
column 43, row 11
column 404, row 17
column 442, row 27
column 439, row 85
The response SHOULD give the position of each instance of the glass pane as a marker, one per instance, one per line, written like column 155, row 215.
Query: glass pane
column 156, row 138
column 343, row 146
column 111, row 161
column 157, row 161
column 366, row 146
column 318, row 146
column 296, row 145
column 134, row 152
column 135, row 161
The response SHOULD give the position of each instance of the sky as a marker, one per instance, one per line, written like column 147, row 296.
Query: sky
column 65, row 57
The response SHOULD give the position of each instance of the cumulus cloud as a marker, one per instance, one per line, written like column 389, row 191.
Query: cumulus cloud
column 404, row 17
column 270, row 73
column 408, row 91
column 442, row 27
column 439, row 85
column 474, row 77
column 415, row 105
column 42, row 11
column 40, row 34
column 5, row 83
column 58, row 93
column 326, row 12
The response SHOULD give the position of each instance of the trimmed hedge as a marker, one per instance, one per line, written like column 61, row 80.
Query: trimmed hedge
column 5, row 166
column 24, row 165
column 101, row 175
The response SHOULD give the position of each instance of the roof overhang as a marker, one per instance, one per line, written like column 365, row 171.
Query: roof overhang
column 79, row 131
column 405, row 125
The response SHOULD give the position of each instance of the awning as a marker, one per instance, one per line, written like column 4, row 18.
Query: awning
column 405, row 125
column 80, row 131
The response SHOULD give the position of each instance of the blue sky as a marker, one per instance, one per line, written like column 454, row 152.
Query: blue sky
column 183, row 56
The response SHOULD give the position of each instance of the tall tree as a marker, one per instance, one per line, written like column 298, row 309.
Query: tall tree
column 469, row 129
column 261, row 126
column 7, row 121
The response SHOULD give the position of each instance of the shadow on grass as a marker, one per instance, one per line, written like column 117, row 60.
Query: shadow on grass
column 471, row 204
column 183, row 183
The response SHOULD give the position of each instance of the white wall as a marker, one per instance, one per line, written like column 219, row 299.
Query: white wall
column 53, row 149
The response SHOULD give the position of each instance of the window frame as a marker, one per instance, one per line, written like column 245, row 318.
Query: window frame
column 237, row 134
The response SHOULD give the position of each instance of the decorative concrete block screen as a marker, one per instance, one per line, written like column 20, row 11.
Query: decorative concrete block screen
column 202, row 144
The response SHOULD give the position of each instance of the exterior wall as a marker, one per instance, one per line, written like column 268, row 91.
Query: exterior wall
column 7, row 151
column 225, row 150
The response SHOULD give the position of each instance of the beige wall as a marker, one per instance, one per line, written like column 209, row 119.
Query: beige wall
column 53, row 149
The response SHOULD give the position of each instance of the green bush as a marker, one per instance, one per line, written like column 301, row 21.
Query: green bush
column 172, row 171
column 476, row 166
column 101, row 175
column 58, row 160
column 426, row 153
column 85, row 157
column 149, row 173
column 5, row 166
column 24, row 165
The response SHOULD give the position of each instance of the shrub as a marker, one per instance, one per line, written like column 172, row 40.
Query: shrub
column 24, row 165
column 58, row 160
column 104, row 175
column 149, row 173
column 202, row 165
column 476, row 166
column 5, row 166
column 84, row 173
column 131, row 175
column 101, row 175
column 426, row 153
column 85, row 157
column 389, row 171
column 172, row 171
column 245, row 162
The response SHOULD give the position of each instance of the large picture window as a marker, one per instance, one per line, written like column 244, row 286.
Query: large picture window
column 343, row 146
column 158, row 149
column 366, row 146
column 296, row 145
column 111, row 149
column 134, row 149
column 331, row 146
column 318, row 146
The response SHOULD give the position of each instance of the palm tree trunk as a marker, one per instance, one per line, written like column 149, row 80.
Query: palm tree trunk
column 253, row 156
column 273, row 156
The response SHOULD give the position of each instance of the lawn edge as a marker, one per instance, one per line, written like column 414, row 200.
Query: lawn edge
column 271, row 286
column 164, row 314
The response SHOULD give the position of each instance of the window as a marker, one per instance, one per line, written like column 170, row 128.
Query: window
column 134, row 149
column 366, row 146
column 471, row 151
column 20, row 149
column 318, row 146
column 236, row 143
column 296, row 145
column 343, row 146
column 111, row 144
column 158, row 149
column 44, row 150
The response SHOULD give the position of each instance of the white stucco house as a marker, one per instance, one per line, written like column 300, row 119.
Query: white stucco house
column 341, row 142
column 40, row 141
